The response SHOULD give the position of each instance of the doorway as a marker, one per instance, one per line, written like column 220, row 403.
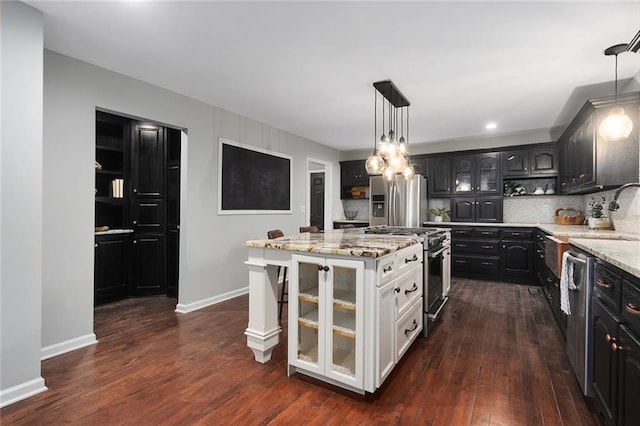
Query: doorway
column 319, row 206
column 137, row 208
column 316, row 212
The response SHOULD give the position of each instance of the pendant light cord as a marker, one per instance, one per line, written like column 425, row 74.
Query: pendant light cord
column 616, row 90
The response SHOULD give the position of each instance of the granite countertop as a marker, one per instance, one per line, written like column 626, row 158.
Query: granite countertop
column 623, row 254
column 338, row 242
column 570, row 231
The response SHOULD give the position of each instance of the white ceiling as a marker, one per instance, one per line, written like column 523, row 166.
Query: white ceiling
column 308, row 67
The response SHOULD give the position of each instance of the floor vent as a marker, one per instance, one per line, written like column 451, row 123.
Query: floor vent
column 533, row 290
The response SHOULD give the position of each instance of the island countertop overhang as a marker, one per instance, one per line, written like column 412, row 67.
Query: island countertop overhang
column 338, row 242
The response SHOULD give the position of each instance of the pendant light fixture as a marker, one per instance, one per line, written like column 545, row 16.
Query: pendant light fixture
column 617, row 126
column 390, row 155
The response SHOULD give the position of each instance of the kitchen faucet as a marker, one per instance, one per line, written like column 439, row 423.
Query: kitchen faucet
column 613, row 205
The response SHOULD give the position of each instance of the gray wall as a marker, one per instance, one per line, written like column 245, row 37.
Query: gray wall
column 211, row 251
column 21, row 202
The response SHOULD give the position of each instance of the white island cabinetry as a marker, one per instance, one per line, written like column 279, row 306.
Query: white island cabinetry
column 355, row 304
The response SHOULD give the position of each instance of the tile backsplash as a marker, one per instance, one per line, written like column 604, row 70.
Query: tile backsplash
column 362, row 206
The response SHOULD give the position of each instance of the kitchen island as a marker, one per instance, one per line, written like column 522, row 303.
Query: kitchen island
column 355, row 303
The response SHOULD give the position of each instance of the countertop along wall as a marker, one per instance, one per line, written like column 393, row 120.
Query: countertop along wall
column 211, row 251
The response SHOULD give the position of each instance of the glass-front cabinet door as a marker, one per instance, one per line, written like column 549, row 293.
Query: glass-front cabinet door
column 488, row 174
column 463, row 174
column 326, row 317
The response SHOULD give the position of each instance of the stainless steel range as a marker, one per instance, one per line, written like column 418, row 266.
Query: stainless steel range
column 436, row 267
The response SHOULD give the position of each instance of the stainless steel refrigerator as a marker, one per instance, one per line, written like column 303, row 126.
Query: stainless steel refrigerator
column 400, row 202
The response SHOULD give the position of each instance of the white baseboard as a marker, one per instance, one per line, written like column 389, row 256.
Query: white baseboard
column 21, row 391
column 67, row 346
column 190, row 307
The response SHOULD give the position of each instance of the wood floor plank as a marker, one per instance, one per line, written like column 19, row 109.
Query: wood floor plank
column 496, row 358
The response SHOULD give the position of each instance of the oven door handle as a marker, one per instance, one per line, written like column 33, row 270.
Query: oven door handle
column 437, row 253
column 576, row 259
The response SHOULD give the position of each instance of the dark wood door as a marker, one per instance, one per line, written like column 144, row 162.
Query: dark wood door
column 604, row 361
column 317, row 200
column 628, row 378
column 148, row 215
column 439, row 172
column 111, row 278
column 515, row 163
column 463, row 209
column 488, row 177
column 517, row 258
column 147, row 161
column 463, row 172
column 489, row 209
column 149, row 255
column 544, row 161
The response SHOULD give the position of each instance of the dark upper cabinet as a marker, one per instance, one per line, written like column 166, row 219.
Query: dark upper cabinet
column 476, row 174
column 476, row 209
column 537, row 162
column 588, row 163
column 419, row 163
column 439, row 176
column 147, row 161
column 353, row 174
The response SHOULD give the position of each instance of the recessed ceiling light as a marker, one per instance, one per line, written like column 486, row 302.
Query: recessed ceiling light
column 491, row 126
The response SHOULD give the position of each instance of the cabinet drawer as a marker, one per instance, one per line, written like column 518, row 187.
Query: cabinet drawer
column 408, row 288
column 475, row 247
column 631, row 305
column 409, row 257
column 408, row 327
column 489, row 264
column 461, row 233
column 385, row 270
column 607, row 286
column 486, row 232
column 517, row 234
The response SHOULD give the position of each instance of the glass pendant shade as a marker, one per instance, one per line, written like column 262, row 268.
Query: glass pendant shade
column 389, row 173
column 617, row 126
column 375, row 163
column 398, row 163
column 408, row 172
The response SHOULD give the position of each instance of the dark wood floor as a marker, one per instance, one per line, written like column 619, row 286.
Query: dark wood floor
column 496, row 359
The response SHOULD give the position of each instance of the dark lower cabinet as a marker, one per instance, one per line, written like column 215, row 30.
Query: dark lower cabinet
column 149, row 270
column 173, row 250
column 629, row 378
column 604, row 361
column 517, row 258
column 111, row 272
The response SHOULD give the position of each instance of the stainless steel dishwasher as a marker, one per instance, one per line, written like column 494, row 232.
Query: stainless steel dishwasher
column 579, row 330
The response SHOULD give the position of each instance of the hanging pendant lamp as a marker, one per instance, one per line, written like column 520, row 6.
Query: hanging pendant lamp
column 617, row 126
column 390, row 155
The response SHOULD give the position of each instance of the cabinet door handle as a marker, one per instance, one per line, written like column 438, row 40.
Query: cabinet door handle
column 324, row 268
column 414, row 326
column 412, row 289
column 387, row 269
column 485, row 233
column 461, row 245
column 135, row 190
column 516, row 234
column 615, row 347
column 487, row 247
column 609, row 338
column 95, row 245
column 632, row 309
column 135, row 241
column 602, row 284
column 413, row 259
column 396, row 289
column 135, row 222
column 486, row 263
column 461, row 261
